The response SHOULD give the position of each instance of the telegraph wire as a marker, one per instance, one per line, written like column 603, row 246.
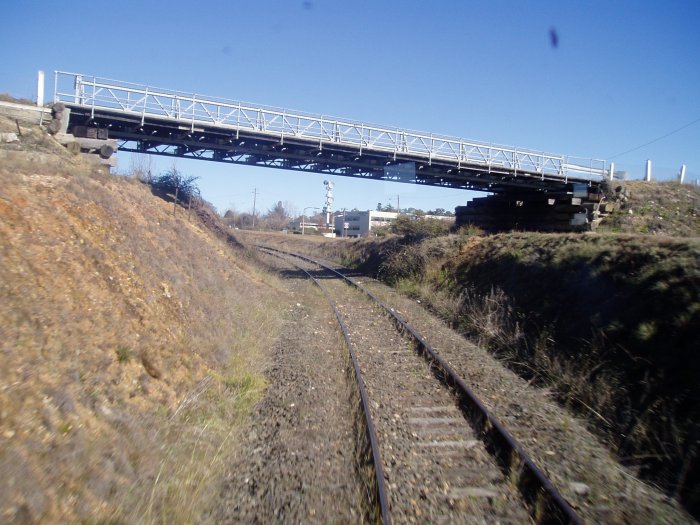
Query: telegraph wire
column 656, row 139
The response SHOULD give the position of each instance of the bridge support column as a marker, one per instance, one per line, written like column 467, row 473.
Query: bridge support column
column 534, row 211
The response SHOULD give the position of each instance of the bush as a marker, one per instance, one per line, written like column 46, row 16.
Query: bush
column 173, row 185
column 417, row 228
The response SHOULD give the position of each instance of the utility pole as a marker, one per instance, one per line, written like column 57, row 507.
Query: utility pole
column 255, row 195
column 398, row 204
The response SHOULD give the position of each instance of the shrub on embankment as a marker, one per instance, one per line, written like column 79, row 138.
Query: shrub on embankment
column 609, row 322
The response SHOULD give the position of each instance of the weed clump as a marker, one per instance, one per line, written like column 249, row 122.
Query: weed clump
column 124, row 355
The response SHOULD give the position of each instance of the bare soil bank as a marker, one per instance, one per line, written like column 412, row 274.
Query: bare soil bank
column 130, row 341
column 610, row 321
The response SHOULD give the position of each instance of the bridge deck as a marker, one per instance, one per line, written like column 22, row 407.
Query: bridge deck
column 166, row 122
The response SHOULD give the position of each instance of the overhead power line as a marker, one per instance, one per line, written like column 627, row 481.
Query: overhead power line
column 656, row 139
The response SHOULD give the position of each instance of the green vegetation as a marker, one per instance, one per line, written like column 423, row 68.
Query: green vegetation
column 416, row 228
column 173, row 185
column 124, row 355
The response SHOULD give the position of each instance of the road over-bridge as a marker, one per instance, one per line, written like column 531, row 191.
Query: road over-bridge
column 165, row 122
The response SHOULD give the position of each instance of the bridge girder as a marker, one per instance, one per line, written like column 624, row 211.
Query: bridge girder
column 239, row 147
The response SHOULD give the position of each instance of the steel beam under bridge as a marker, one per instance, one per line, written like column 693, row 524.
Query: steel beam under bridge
column 165, row 122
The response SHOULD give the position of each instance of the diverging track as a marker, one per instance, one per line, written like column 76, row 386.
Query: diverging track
column 438, row 454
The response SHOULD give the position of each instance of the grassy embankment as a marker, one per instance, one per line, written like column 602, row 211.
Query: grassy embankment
column 608, row 321
column 132, row 341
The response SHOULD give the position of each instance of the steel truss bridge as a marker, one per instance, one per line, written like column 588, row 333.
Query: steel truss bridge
column 164, row 122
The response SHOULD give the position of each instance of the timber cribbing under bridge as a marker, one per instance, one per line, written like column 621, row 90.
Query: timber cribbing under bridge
column 157, row 121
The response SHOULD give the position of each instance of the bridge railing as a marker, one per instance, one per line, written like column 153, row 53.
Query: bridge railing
column 195, row 110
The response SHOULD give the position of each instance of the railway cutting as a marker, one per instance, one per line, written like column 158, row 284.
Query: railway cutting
column 441, row 455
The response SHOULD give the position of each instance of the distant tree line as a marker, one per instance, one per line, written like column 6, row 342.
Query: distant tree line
column 277, row 217
column 414, row 211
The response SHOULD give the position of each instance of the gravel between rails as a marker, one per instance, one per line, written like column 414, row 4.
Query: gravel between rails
column 436, row 470
column 298, row 459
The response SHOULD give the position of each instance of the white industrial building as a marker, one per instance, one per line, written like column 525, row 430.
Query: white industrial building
column 361, row 223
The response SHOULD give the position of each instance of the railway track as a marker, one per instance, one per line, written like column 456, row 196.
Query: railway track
column 435, row 451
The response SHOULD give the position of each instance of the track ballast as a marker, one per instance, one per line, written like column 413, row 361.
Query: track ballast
column 439, row 455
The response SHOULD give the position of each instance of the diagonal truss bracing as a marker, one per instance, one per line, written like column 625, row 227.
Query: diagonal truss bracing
column 189, row 111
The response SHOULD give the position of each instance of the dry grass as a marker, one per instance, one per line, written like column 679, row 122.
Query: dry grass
column 6, row 97
column 666, row 208
column 131, row 347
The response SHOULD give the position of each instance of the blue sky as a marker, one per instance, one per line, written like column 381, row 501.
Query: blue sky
column 622, row 74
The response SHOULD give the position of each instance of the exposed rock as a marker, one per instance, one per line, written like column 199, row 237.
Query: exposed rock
column 580, row 489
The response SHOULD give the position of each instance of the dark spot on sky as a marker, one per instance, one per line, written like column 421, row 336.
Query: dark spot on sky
column 308, row 5
column 554, row 38
column 226, row 50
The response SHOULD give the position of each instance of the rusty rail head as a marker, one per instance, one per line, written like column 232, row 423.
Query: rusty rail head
column 532, row 482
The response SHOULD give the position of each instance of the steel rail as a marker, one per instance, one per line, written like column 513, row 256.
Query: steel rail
column 371, row 432
column 532, row 482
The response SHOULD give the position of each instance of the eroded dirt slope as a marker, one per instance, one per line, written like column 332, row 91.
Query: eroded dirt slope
column 129, row 347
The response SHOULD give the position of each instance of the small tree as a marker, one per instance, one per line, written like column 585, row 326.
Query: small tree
column 245, row 220
column 277, row 217
column 172, row 185
column 230, row 218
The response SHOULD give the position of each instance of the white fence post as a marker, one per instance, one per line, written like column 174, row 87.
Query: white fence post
column 40, row 89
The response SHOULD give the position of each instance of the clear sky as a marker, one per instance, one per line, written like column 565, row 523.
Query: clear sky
column 617, row 75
